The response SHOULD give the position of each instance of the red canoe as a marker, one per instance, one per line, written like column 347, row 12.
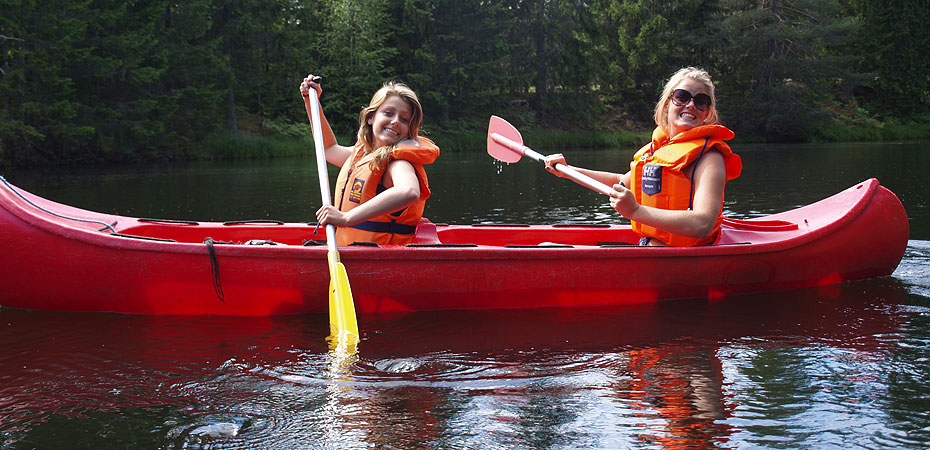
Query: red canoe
column 62, row 258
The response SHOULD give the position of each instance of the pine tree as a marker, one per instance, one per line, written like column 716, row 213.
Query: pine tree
column 779, row 62
column 41, row 117
column 452, row 53
column 894, row 46
column 353, row 54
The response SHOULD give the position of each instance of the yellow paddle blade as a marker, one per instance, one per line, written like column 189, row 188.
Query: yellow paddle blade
column 342, row 320
column 344, row 348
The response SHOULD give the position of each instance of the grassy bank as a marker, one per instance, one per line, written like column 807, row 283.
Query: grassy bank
column 271, row 139
column 295, row 139
column 871, row 130
column 252, row 146
column 249, row 146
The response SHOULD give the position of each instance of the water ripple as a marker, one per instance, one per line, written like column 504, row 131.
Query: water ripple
column 915, row 268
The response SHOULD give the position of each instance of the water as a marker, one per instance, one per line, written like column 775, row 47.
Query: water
column 840, row 367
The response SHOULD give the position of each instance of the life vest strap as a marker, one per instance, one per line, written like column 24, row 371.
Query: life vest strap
column 385, row 227
column 696, row 161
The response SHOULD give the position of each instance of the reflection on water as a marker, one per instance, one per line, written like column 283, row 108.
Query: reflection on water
column 845, row 366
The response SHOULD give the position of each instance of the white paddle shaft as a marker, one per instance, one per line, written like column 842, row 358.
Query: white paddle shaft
column 321, row 164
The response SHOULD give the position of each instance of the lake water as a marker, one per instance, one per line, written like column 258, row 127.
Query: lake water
column 840, row 367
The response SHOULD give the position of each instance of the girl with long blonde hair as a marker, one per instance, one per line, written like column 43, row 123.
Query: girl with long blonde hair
column 382, row 187
column 673, row 192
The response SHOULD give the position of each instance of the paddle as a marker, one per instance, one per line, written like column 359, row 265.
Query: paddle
column 506, row 144
column 343, row 326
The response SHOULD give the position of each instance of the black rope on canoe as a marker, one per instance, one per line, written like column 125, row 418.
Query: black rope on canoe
column 215, row 267
column 76, row 219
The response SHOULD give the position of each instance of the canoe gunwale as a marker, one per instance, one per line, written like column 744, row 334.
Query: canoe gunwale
column 792, row 238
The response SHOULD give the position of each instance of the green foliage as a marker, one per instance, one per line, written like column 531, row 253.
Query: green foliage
column 286, row 128
column 894, row 47
column 779, row 63
column 869, row 129
column 452, row 54
column 236, row 145
column 352, row 58
column 108, row 80
column 649, row 40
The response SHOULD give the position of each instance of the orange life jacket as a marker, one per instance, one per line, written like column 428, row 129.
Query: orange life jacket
column 357, row 183
column 659, row 179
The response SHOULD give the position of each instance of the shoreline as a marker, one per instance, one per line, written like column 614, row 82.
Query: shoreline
column 251, row 145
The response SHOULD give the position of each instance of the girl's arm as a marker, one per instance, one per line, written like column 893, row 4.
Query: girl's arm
column 403, row 189
column 709, row 178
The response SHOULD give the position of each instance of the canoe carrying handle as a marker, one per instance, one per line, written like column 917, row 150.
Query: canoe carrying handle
column 144, row 238
column 252, row 222
column 76, row 219
column 581, row 225
column 761, row 225
column 169, row 221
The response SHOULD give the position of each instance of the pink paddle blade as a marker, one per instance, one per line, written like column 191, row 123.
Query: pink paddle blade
column 498, row 150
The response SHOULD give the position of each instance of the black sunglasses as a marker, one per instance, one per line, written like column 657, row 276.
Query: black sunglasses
column 681, row 97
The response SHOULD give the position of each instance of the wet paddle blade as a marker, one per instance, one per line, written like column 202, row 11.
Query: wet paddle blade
column 506, row 144
column 496, row 148
column 341, row 306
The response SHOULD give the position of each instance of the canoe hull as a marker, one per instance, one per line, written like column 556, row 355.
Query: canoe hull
column 57, row 263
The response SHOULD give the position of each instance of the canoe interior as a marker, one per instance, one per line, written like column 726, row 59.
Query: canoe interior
column 427, row 233
column 775, row 228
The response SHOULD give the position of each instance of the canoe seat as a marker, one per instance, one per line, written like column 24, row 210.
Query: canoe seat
column 426, row 233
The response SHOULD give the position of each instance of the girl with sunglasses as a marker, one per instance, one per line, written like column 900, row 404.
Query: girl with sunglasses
column 673, row 193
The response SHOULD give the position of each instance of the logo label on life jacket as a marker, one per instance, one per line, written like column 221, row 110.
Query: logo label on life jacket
column 652, row 179
column 355, row 195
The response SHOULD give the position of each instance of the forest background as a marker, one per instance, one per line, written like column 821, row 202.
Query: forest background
column 86, row 81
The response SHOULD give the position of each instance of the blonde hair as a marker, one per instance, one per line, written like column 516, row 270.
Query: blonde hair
column 694, row 73
column 365, row 131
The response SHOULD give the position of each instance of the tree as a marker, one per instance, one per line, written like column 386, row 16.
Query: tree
column 894, row 46
column 645, row 42
column 557, row 39
column 192, row 87
column 779, row 62
column 352, row 58
column 452, row 55
column 40, row 113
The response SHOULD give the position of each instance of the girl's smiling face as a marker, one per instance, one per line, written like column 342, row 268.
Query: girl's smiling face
column 391, row 122
column 686, row 116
